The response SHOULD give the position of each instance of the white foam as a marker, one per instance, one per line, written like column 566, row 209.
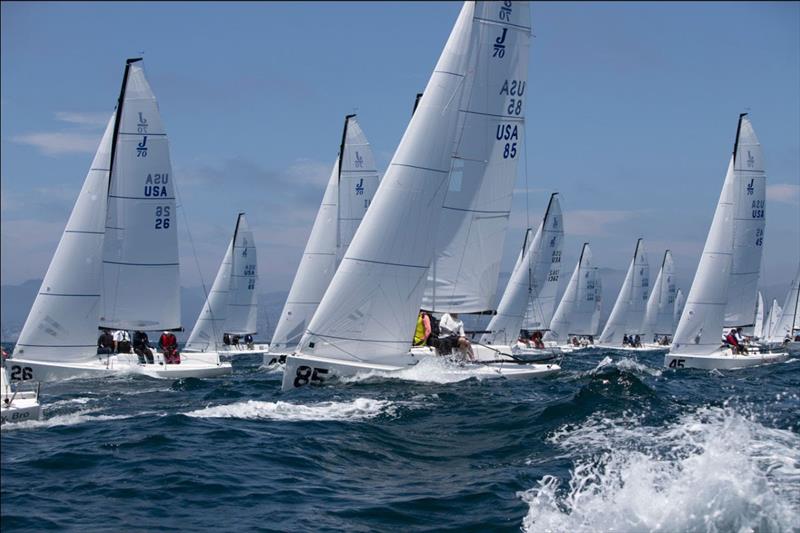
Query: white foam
column 358, row 409
column 430, row 370
column 70, row 419
column 61, row 403
column 712, row 470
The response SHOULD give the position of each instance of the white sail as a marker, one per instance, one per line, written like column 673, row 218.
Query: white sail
column 369, row 311
column 771, row 321
column 344, row 204
column 141, row 278
column 659, row 314
column 788, row 323
column 210, row 325
column 704, row 316
column 242, row 295
column 477, row 204
column 749, row 218
column 358, row 181
column 540, row 308
column 758, row 327
column 680, row 301
column 542, row 257
column 578, row 312
column 628, row 311
column 62, row 323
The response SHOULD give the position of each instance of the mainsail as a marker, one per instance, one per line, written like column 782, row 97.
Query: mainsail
column 141, row 277
column 749, row 219
column 680, row 301
column 704, row 316
column 369, row 311
column 628, row 311
column 758, row 327
column 542, row 257
column 659, row 315
column 350, row 191
column 62, row 323
column 578, row 312
column 477, row 204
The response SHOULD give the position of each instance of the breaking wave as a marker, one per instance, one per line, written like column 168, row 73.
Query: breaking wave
column 713, row 470
column 358, row 409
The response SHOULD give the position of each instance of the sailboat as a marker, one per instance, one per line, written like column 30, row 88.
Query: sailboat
column 657, row 325
column 19, row 401
column 786, row 329
column 116, row 265
column 758, row 326
column 771, row 320
column 737, row 225
column 231, row 309
column 351, row 188
column 366, row 319
column 628, row 311
column 578, row 313
column 537, row 269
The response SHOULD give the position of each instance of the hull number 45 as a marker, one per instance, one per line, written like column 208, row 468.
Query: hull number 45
column 677, row 363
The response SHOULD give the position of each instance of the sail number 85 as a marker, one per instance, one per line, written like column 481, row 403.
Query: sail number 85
column 306, row 375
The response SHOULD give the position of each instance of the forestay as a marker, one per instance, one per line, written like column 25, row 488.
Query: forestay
column 578, row 313
column 749, row 218
column 477, row 204
column 542, row 256
column 628, row 311
column 62, row 323
column 369, row 311
column 703, row 318
column 659, row 314
column 141, row 278
column 242, row 297
column 346, row 199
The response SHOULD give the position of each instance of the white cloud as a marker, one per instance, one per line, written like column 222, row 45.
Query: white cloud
column 594, row 223
column 93, row 119
column 57, row 143
column 784, row 193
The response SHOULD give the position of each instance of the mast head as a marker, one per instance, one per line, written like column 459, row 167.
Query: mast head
column 738, row 130
column 132, row 60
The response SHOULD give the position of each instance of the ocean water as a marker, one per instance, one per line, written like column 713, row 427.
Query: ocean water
column 613, row 443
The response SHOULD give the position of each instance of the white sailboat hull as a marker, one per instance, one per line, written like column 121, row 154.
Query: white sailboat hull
column 21, row 404
column 192, row 365
column 723, row 360
column 310, row 370
column 643, row 348
column 242, row 349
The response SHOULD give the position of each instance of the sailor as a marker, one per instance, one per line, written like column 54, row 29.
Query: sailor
column 105, row 343
column 248, row 339
column 141, row 346
column 423, row 329
column 122, row 341
column 637, row 341
column 625, row 340
column 452, row 331
column 169, row 347
column 740, row 341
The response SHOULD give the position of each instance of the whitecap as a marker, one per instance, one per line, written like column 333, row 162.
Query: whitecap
column 712, row 470
column 358, row 409
column 70, row 419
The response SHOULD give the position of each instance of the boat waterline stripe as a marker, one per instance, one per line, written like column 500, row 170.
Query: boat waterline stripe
column 499, row 23
column 382, row 341
column 140, row 264
column 385, row 263
column 82, row 231
column 58, row 345
column 421, row 168
column 139, row 198
column 77, row 295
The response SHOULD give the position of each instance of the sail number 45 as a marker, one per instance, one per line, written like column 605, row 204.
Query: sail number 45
column 306, row 375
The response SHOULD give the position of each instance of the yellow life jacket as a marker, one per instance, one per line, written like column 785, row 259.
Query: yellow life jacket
column 419, row 333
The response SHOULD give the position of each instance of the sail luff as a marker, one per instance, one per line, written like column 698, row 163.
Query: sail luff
column 210, row 325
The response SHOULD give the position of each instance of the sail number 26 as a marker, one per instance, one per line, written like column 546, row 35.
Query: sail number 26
column 162, row 217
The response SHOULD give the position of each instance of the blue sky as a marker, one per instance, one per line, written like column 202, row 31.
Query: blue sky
column 631, row 117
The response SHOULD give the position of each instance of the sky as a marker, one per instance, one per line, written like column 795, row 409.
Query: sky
column 631, row 118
